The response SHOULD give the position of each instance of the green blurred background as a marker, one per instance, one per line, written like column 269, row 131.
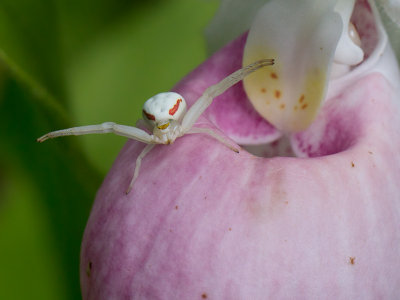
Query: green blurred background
column 69, row 63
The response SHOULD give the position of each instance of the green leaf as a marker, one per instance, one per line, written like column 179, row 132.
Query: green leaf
column 30, row 45
column 64, row 182
column 27, row 254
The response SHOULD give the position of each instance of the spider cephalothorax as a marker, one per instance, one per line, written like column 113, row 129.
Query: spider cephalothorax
column 163, row 113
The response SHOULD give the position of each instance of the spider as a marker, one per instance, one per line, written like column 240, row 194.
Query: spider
column 165, row 115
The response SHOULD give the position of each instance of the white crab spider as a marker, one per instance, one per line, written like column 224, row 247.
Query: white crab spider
column 165, row 114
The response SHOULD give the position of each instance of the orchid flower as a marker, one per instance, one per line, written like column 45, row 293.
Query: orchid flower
column 309, row 208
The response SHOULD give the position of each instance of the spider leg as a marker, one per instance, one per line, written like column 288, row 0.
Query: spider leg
column 215, row 135
column 107, row 127
column 215, row 90
column 142, row 154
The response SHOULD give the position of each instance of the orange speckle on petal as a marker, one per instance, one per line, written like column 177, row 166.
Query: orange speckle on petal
column 274, row 76
column 301, row 99
column 263, row 90
column 304, row 106
column 277, row 94
column 282, row 106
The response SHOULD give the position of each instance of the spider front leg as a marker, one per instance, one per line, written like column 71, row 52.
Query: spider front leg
column 213, row 91
column 110, row 127
column 107, row 127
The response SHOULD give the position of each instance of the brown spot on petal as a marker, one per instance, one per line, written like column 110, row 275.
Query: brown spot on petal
column 352, row 164
column 274, row 76
column 352, row 260
column 89, row 269
column 176, row 207
column 304, row 106
column 301, row 99
column 204, row 296
column 277, row 94
column 282, row 106
column 263, row 90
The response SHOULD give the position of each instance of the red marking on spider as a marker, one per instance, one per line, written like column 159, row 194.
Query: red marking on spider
column 149, row 116
column 173, row 110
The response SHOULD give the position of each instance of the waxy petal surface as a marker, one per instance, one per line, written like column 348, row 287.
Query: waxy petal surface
column 205, row 222
column 303, row 44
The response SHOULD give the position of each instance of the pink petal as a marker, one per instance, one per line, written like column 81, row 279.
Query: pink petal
column 205, row 222
column 348, row 120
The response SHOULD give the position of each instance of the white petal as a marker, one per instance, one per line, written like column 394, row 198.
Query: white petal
column 302, row 37
column 347, row 51
column 233, row 18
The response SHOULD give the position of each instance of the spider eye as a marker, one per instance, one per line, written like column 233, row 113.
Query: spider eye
column 174, row 109
column 149, row 116
column 163, row 126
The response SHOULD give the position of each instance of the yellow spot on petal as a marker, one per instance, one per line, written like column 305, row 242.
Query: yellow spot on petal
column 302, row 95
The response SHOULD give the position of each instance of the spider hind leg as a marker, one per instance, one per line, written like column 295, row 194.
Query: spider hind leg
column 214, row 135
